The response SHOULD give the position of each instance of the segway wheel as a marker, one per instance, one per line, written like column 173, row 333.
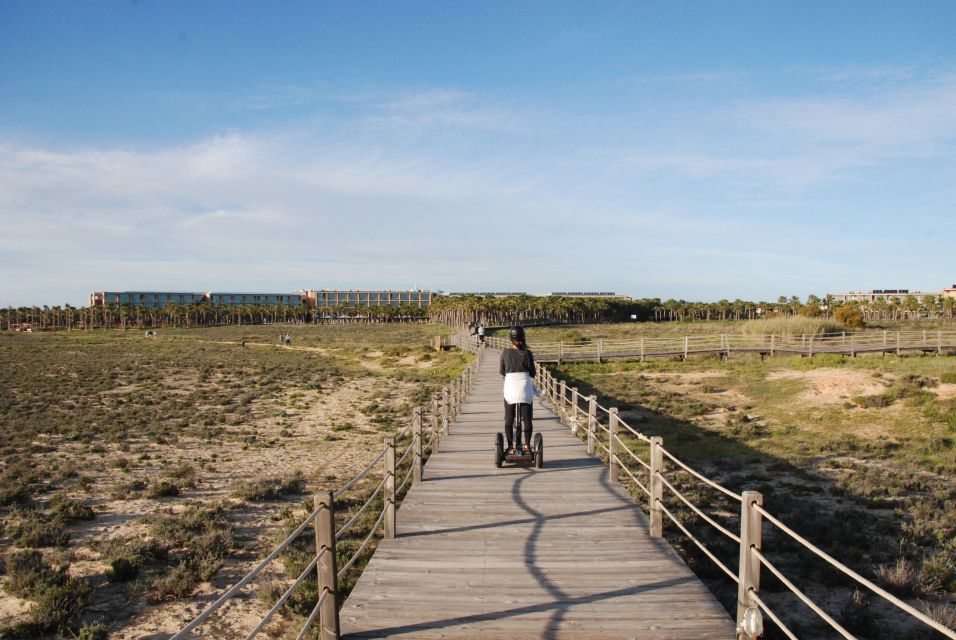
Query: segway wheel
column 499, row 449
column 538, row 451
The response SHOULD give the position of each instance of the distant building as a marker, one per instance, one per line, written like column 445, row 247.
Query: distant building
column 323, row 299
column 326, row 299
column 889, row 294
column 590, row 294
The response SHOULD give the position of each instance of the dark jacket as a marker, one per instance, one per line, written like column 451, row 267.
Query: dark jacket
column 516, row 361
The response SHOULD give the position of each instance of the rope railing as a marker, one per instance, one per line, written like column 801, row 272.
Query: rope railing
column 766, row 344
column 441, row 410
column 699, row 544
column 358, row 552
column 634, row 478
column 752, row 514
column 853, row 574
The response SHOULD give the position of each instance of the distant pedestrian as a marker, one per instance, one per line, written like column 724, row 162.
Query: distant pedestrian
column 481, row 334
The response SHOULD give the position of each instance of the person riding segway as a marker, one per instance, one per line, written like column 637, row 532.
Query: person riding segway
column 517, row 367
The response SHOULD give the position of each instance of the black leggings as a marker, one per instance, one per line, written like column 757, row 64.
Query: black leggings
column 525, row 410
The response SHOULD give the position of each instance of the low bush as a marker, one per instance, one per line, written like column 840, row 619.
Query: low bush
column 198, row 539
column 163, row 489
column 38, row 530
column 70, row 510
column 948, row 378
column 271, row 488
column 28, row 575
column 58, row 606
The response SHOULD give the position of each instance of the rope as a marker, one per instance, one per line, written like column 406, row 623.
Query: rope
column 408, row 478
column 633, row 455
column 408, row 451
column 315, row 612
column 285, row 596
column 763, row 607
column 628, row 472
column 700, row 544
column 638, row 434
column 703, row 479
column 351, row 483
column 949, row 633
column 247, row 578
column 362, row 548
column 348, row 525
column 806, row 600
column 703, row 515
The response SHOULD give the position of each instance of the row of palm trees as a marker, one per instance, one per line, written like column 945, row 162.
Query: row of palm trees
column 184, row 315
column 460, row 310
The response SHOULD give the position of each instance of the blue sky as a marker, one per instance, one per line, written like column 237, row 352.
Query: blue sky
column 695, row 150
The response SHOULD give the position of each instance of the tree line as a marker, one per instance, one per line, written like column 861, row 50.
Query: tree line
column 485, row 310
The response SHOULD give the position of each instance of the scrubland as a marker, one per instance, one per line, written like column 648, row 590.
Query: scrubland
column 140, row 475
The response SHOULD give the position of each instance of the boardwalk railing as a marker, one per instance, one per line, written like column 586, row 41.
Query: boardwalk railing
column 334, row 528
column 650, row 467
column 726, row 344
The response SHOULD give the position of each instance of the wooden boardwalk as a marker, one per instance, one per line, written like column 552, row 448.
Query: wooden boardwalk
column 492, row 553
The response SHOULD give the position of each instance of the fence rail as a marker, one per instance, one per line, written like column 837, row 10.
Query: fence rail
column 420, row 437
column 649, row 476
column 844, row 343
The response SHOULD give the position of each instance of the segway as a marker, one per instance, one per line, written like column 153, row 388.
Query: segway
column 534, row 457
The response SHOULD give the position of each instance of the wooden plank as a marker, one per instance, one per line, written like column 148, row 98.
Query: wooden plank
column 522, row 553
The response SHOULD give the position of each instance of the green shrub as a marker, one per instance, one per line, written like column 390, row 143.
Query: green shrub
column 271, row 488
column 28, row 575
column 163, row 489
column 58, row 606
column 93, row 631
column 38, row 530
column 70, row 510
column 877, row 401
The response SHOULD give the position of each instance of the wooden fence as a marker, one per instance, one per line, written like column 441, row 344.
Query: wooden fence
column 844, row 343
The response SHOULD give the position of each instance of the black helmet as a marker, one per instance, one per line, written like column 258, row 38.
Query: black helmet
column 517, row 333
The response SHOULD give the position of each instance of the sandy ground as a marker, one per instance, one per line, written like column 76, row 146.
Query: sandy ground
column 833, row 386
column 307, row 423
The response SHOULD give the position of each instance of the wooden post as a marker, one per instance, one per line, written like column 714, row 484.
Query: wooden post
column 560, row 351
column 897, row 343
column 749, row 566
column 612, row 445
column 389, row 497
column 418, row 463
column 852, row 346
column 436, row 425
column 592, row 423
column 884, row 339
column 657, row 487
column 562, row 407
column 811, row 346
column 924, row 337
column 325, row 570
column 600, row 350
column 642, row 349
column 686, row 341
column 574, row 410
column 939, row 342
column 772, row 343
